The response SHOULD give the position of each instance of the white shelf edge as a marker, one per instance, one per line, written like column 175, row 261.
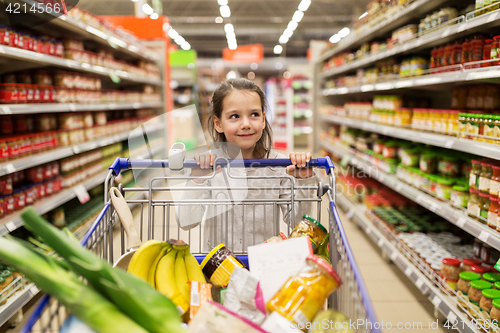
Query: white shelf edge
column 450, row 32
column 426, row 286
column 439, row 140
column 35, row 57
column 71, row 107
column 21, row 298
column 56, row 154
column 419, row 81
column 379, row 27
column 13, row 221
column 446, row 211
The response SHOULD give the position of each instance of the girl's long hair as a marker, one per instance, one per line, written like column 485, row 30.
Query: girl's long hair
column 264, row 145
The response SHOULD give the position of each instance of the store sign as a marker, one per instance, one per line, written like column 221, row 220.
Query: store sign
column 244, row 54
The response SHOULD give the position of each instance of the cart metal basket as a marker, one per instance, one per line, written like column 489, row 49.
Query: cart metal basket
column 160, row 207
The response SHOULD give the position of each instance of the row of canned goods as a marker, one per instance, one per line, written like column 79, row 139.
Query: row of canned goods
column 23, row 145
column 10, row 182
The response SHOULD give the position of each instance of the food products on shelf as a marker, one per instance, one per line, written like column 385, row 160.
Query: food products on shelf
column 463, row 287
column 450, row 270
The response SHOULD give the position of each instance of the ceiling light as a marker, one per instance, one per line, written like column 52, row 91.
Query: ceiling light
column 278, row 49
column 153, row 16
column 225, row 11
column 179, row 40
column 186, row 46
column 304, row 5
column 335, row 39
column 147, row 9
column 231, row 36
column 283, row 39
column 219, row 19
column 297, row 16
column 278, row 66
column 233, row 46
column 222, row 2
column 231, row 75
column 292, row 25
column 288, row 33
column 254, row 66
column 228, row 28
column 251, row 75
column 363, row 15
column 344, row 32
column 173, row 34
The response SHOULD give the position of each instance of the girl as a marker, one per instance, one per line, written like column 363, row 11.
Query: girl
column 239, row 126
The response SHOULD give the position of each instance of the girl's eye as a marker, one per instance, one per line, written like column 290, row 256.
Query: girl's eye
column 233, row 116
column 256, row 114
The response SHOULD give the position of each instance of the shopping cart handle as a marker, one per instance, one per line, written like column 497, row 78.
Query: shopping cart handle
column 121, row 164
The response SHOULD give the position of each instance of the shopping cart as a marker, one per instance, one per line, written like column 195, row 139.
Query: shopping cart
column 158, row 221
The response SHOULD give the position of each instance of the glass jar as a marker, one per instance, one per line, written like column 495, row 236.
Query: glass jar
column 491, row 277
column 449, row 166
column 489, row 128
column 9, row 93
column 309, row 227
column 474, row 202
column 467, row 263
column 462, row 125
column 495, row 51
column 410, row 157
column 475, row 174
column 495, row 316
column 444, row 188
column 495, row 181
column 450, row 270
column 460, row 195
column 477, row 45
column 428, row 163
column 485, row 304
column 390, row 149
column 378, row 146
column 484, row 206
column 304, row 294
column 463, row 287
column 453, row 122
column 485, row 177
column 475, row 294
column 493, row 212
column 488, row 44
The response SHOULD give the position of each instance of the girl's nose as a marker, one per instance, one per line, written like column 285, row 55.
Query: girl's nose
column 245, row 122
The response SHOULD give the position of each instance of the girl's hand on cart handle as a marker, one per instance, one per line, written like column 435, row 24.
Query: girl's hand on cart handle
column 299, row 160
column 206, row 163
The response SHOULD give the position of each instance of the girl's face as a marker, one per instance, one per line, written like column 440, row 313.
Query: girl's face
column 242, row 120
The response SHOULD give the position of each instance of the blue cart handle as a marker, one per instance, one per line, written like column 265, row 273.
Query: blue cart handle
column 121, row 164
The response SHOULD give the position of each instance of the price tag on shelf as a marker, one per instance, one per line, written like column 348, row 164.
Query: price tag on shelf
column 436, row 301
column 445, row 33
column 492, row 17
column 484, row 236
column 11, row 226
column 81, row 193
column 461, row 222
column 448, row 144
column 10, row 168
column 6, row 110
column 114, row 77
column 419, row 283
column 72, row 107
column 452, row 317
column 345, row 161
column 350, row 213
column 399, row 187
column 380, row 242
column 34, row 290
column 394, row 256
column 408, row 271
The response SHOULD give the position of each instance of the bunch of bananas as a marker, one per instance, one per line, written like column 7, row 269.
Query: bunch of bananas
column 167, row 266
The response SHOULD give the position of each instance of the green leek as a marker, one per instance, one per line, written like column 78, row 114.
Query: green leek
column 83, row 301
column 133, row 296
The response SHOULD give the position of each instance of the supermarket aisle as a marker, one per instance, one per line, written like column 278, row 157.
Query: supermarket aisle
column 394, row 297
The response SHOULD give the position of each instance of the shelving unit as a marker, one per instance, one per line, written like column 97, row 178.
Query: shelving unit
column 280, row 98
column 438, row 140
column 445, row 210
column 443, row 303
column 13, row 109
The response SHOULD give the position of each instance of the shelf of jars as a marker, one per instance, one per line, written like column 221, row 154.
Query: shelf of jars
column 13, row 221
column 439, row 35
column 59, row 153
column 14, row 296
column 476, row 226
column 413, row 265
column 387, row 21
column 439, row 140
column 84, row 65
column 456, row 74
column 84, row 25
column 7, row 109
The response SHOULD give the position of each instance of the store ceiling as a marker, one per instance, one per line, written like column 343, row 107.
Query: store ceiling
column 255, row 21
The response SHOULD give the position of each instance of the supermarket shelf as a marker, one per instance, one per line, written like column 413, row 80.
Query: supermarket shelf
column 72, row 107
column 13, row 221
column 57, row 154
column 446, row 211
column 446, row 305
column 435, row 38
column 438, row 140
column 413, row 11
column 452, row 78
column 17, row 301
column 44, row 59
